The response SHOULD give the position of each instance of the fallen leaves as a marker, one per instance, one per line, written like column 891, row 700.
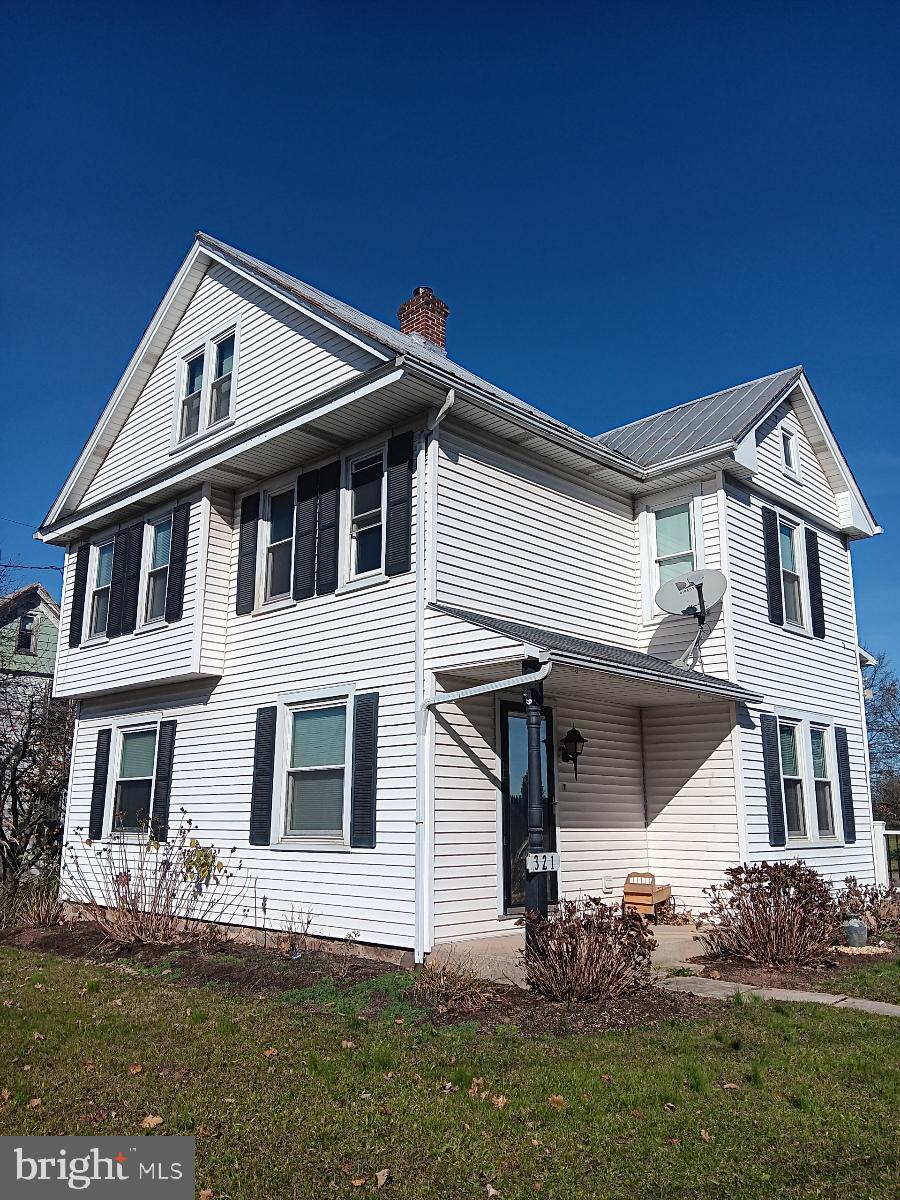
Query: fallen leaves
column 347, row 1044
column 499, row 1101
column 491, row 1191
column 35, row 1102
column 4, row 1094
column 271, row 1052
column 731, row 1087
column 151, row 1121
column 206, row 1194
column 705, row 1135
column 382, row 1177
column 557, row 1101
column 669, row 1106
column 134, row 1068
column 359, row 1182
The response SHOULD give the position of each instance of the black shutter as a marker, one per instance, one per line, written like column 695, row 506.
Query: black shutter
column 773, row 566
column 98, row 791
column 246, row 580
column 117, row 585
column 263, row 776
column 843, row 765
column 79, row 587
column 814, row 576
column 162, row 783
column 398, row 535
column 305, row 517
column 365, row 770
column 131, row 585
column 772, row 762
column 181, row 519
column 328, row 528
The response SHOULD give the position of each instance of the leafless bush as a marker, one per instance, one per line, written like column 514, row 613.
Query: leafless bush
column 297, row 932
column 772, row 913
column 587, row 950
column 879, row 906
column 451, row 986
column 31, row 902
column 142, row 891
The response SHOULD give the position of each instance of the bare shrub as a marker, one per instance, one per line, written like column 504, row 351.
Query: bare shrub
column 587, row 950
column 772, row 913
column 878, row 905
column 451, row 986
column 156, row 893
column 297, row 929
column 38, row 902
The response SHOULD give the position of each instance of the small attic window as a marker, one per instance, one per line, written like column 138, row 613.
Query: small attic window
column 206, row 395
column 26, row 639
column 789, row 455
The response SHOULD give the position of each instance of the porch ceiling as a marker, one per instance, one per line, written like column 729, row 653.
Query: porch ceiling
column 580, row 666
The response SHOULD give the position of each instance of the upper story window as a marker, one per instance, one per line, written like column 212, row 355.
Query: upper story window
column 26, row 638
column 791, row 584
column 99, row 610
column 207, row 386
column 158, row 569
column 279, row 551
column 134, row 780
column 674, row 542
column 366, row 514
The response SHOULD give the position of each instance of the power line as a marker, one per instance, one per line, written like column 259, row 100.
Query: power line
column 26, row 567
column 25, row 524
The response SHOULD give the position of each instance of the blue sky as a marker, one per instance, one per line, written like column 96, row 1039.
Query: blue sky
column 625, row 206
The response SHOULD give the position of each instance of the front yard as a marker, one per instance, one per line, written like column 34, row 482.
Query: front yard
column 293, row 1094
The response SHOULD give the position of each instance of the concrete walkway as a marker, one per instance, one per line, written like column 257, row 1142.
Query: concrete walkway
column 723, row 989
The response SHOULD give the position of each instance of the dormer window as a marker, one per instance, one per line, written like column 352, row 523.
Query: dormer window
column 207, row 386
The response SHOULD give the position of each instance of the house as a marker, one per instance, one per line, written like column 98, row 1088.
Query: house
column 312, row 563
column 29, row 627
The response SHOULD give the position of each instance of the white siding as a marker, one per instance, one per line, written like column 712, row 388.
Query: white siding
column 152, row 654
column 692, row 824
column 283, row 359
column 216, row 600
column 796, row 673
column 812, row 492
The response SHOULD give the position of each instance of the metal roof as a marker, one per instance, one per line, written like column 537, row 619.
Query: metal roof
column 709, row 421
column 616, row 659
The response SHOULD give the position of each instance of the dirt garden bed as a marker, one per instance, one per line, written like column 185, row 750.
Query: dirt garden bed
column 348, row 984
column 819, row 977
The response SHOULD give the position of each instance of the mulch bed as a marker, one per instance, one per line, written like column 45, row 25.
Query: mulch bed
column 257, row 972
column 810, row 978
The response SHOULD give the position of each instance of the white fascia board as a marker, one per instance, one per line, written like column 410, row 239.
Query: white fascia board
column 137, row 359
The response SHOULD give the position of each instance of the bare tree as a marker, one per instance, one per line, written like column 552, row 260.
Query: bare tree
column 882, row 692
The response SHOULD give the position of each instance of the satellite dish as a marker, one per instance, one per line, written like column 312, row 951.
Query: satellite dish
column 693, row 594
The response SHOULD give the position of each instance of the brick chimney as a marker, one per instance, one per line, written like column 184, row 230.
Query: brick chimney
column 424, row 317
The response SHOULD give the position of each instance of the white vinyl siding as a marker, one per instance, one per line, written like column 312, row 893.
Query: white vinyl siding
column 809, row 486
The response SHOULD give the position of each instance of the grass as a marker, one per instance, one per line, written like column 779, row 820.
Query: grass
column 288, row 1103
column 873, row 981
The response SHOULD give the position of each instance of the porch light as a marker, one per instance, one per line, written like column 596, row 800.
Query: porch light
column 571, row 748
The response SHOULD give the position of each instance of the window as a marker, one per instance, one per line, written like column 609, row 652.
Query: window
column 158, row 569
column 821, row 780
column 220, row 398
column 26, row 639
column 316, row 772
column 789, row 455
column 674, row 542
column 792, row 780
column 366, row 517
column 192, row 395
column 280, row 553
column 790, row 573
column 103, row 561
column 134, row 780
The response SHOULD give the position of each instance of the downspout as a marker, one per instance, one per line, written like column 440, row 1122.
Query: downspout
column 426, row 495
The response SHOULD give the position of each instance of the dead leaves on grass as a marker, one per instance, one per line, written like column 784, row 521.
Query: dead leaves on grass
column 151, row 1121
column 557, row 1101
column 135, row 1068
column 35, row 1102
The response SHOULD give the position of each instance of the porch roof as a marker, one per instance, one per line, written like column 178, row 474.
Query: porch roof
column 637, row 678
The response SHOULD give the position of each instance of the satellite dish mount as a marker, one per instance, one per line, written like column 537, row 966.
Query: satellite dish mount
column 694, row 594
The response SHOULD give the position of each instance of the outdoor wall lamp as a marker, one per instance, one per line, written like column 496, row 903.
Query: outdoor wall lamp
column 572, row 747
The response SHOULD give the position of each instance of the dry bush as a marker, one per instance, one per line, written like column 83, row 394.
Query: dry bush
column 451, row 986
column 587, row 950
column 32, row 902
column 878, row 905
column 156, row 893
column 773, row 913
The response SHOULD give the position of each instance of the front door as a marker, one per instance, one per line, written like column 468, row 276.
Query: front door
column 514, row 775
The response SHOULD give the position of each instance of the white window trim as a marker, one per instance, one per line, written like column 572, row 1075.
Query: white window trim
column 207, row 348
column 132, row 724
column 804, row 629
column 150, row 524
column 35, row 625
column 348, row 578
column 283, row 483
column 86, row 636
column 288, row 703
column 813, row 839
column 785, row 431
column 647, row 532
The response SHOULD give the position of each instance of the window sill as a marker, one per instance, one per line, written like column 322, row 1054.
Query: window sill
column 197, row 438
column 792, row 475
column 150, row 627
column 797, row 630
column 270, row 606
column 376, row 579
column 330, row 844
column 825, row 843
column 97, row 639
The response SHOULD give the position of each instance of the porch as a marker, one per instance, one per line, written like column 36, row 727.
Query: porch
column 655, row 787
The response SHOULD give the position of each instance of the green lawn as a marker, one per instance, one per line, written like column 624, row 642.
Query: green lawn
column 286, row 1103
column 872, row 981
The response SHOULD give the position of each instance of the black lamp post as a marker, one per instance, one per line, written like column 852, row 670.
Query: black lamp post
column 572, row 747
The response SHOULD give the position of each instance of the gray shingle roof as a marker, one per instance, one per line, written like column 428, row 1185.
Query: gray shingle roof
column 600, row 654
column 722, row 417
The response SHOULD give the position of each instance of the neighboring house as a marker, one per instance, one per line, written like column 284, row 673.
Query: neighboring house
column 308, row 554
column 29, row 628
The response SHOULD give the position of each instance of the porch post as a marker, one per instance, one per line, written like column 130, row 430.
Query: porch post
column 535, row 884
